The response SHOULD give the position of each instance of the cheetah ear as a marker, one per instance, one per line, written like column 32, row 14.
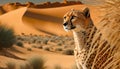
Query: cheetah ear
column 86, row 12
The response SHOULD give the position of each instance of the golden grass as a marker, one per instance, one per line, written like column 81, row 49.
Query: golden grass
column 109, row 47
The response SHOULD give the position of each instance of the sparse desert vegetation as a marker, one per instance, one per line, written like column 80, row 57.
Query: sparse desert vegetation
column 48, row 43
column 56, row 44
column 35, row 62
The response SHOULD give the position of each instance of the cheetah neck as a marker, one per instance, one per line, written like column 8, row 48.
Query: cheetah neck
column 79, row 38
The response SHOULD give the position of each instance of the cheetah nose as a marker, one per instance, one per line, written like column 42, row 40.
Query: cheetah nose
column 65, row 24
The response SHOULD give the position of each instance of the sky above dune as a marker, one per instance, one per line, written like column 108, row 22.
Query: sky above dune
column 23, row 1
column 40, row 1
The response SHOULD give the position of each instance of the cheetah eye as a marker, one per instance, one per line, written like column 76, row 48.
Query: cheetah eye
column 64, row 17
column 73, row 17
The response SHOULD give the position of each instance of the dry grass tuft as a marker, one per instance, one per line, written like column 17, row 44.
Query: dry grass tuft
column 46, row 48
column 25, row 66
column 10, row 65
column 20, row 44
column 7, row 37
column 57, row 67
column 37, row 62
column 68, row 52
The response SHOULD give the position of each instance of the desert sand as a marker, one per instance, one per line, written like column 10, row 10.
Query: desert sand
column 47, row 21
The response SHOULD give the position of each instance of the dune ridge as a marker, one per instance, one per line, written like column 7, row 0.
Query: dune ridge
column 12, row 6
column 14, row 20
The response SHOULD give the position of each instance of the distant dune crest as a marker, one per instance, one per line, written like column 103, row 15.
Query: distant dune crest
column 12, row 6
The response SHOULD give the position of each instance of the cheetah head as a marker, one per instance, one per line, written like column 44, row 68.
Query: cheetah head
column 75, row 19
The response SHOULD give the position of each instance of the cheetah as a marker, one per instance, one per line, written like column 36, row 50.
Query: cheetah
column 92, row 50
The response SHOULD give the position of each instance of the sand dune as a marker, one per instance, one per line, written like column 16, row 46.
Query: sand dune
column 42, row 21
column 14, row 20
column 59, row 12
